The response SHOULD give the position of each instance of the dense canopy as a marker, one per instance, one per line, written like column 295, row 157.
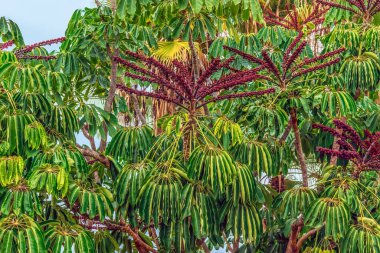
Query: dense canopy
column 209, row 126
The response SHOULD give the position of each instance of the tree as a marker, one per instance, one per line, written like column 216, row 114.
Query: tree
column 198, row 116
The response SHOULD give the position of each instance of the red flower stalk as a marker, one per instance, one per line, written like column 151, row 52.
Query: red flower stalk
column 363, row 153
column 182, row 79
column 245, row 55
column 293, row 22
column 37, row 57
column 318, row 58
column 295, row 55
column 348, row 131
column 29, row 48
column 6, row 44
column 270, row 65
column 366, row 10
column 288, row 59
column 324, row 128
column 339, row 6
column 211, row 69
column 177, row 77
column 290, row 49
column 315, row 68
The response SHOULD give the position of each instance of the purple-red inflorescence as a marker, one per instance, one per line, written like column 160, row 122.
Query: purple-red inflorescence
column 37, row 57
column 29, row 48
column 363, row 8
column 364, row 153
column 6, row 44
column 293, row 22
column 178, row 77
column 288, row 70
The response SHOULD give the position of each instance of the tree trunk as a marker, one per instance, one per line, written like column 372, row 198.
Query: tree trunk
column 111, row 94
column 298, row 146
column 294, row 232
column 140, row 117
column 286, row 132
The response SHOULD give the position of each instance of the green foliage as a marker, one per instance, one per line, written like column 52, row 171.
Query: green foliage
column 21, row 234
column 213, row 166
column 331, row 211
column 130, row 143
column 152, row 177
column 53, row 179
column 11, row 169
column 363, row 237
column 61, row 236
column 91, row 199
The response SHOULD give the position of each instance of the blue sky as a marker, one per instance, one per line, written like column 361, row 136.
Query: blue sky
column 41, row 19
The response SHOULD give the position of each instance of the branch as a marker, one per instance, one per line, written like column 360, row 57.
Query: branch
column 37, row 57
column 121, row 226
column 305, row 236
column 108, row 106
column 88, row 136
column 94, row 154
column 227, row 243
column 286, row 132
column 153, row 234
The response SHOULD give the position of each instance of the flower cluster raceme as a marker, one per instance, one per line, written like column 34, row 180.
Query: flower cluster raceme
column 188, row 92
column 214, row 66
column 290, row 60
column 29, row 48
column 285, row 73
column 318, row 58
column 245, row 55
column 327, row 129
column 269, row 64
column 364, row 153
column 38, row 57
column 315, row 68
column 291, row 48
column 230, row 81
column 363, row 8
column 293, row 20
column 348, row 132
column 6, row 44
column 23, row 52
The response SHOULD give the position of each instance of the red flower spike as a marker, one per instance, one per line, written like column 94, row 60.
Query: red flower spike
column 363, row 153
column 177, row 77
column 270, row 65
column 29, row 48
column 245, row 55
column 295, row 55
column 38, row 57
column 6, row 44
column 288, row 59
column 315, row 68
column 363, row 9
column 290, row 49
column 293, row 22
